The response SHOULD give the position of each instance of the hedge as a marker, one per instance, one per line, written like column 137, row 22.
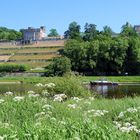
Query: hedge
column 12, row 68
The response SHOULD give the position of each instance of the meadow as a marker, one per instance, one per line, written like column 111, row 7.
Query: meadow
column 62, row 109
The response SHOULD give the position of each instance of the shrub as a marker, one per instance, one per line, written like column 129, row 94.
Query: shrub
column 12, row 68
column 69, row 85
column 59, row 66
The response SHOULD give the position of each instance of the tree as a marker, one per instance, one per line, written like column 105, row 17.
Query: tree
column 73, row 31
column 107, row 31
column 59, row 66
column 53, row 32
column 9, row 34
column 90, row 32
column 76, row 51
column 128, row 30
column 132, row 61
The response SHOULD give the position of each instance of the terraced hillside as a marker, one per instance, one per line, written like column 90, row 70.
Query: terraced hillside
column 35, row 55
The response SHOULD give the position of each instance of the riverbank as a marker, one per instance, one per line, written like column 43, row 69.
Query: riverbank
column 85, row 79
column 119, row 79
column 61, row 108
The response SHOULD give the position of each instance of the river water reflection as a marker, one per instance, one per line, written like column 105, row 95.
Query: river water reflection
column 116, row 91
column 106, row 91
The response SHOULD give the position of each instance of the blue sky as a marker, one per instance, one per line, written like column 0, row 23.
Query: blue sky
column 17, row 14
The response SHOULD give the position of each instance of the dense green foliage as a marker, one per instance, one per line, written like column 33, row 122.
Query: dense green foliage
column 53, row 33
column 59, row 66
column 12, row 68
column 70, row 85
column 99, row 53
column 73, row 31
column 9, row 34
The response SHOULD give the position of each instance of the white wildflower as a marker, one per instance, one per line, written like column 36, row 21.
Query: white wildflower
column 31, row 92
column 39, row 85
column 45, row 93
column 47, row 106
column 132, row 110
column 1, row 101
column 121, row 115
column 97, row 113
column 91, row 98
column 60, row 97
column 72, row 106
column 9, row 93
column 6, row 125
column 127, row 124
column 50, row 85
column 124, row 129
column 90, row 111
column 76, row 99
column 1, row 138
column 105, row 111
column 33, row 95
column 118, row 125
column 134, row 123
column 18, row 98
column 87, row 102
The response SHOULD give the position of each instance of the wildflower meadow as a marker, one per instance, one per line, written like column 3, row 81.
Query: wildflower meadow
column 46, row 114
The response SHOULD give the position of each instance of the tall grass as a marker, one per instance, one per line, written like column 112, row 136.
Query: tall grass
column 30, row 119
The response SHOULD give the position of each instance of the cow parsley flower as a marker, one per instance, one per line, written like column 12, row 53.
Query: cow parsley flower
column 9, row 93
column 73, row 106
column 1, row 101
column 18, row 98
column 31, row 92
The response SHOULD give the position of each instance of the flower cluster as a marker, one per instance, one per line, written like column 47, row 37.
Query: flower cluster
column 97, row 113
column 31, row 92
column 47, row 106
column 60, row 97
column 50, row 85
column 73, row 106
column 9, row 93
column 129, row 110
column 126, row 127
column 18, row 98
column 39, row 85
column 76, row 99
column 33, row 95
column 1, row 101
column 45, row 93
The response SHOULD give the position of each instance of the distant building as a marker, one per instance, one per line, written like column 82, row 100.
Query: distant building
column 34, row 34
column 137, row 29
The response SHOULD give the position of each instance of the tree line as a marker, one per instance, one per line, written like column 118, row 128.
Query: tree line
column 9, row 34
column 95, row 52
